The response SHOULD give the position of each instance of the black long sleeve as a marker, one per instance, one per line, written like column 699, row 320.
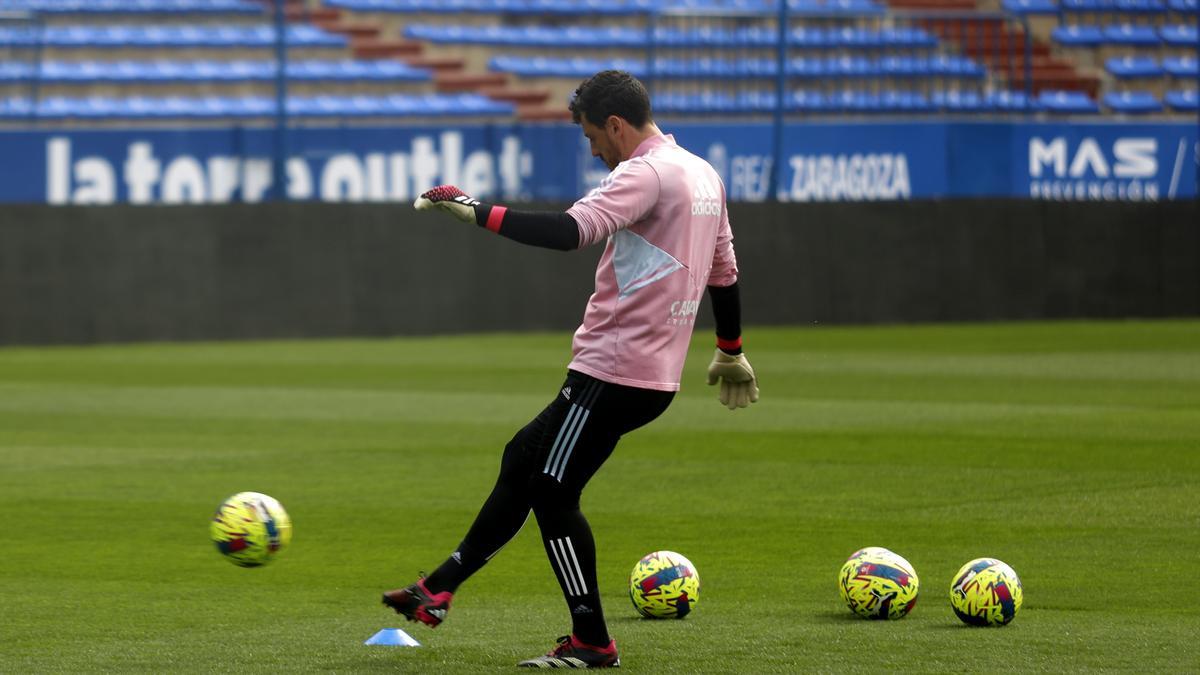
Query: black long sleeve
column 727, row 311
column 547, row 229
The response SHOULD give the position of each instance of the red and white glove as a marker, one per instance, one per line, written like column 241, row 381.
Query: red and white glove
column 450, row 199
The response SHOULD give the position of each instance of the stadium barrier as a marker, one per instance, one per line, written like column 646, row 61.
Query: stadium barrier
column 122, row 273
column 821, row 161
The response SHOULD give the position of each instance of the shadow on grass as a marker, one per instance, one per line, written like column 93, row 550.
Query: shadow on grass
column 626, row 618
column 841, row 617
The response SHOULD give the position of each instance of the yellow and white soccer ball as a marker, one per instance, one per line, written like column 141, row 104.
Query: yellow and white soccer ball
column 986, row 592
column 878, row 584
column 250, row 528
column 664, row 585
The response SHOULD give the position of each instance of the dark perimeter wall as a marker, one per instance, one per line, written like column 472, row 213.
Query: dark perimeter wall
column 122, row 273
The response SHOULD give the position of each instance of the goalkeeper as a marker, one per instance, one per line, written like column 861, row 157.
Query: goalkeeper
column 662, row 212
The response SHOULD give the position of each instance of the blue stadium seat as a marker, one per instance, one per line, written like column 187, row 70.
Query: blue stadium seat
column 807, row 101
column 1184, row 6
column 835, row 7
column 904, row 102
column 950, row 65
column 1067, row 102
column 165, row 37
column 1078, row 36
column 1031, row 7
column 1181, row 35
column 134, row 6
column 843, row 67
column 1131, row 35
column 1128, row 67
column 591, row 7
column 177, row 107
column 1009, row 101
column 1143, row 7
column 1085, row 6
column 1183, row 101
column 1181, row 67
column 959, row 101
column 853, row 101
column 169, row 72
column 1132, row 102
column 15, row 108
column 695, row 103
column 15, row 71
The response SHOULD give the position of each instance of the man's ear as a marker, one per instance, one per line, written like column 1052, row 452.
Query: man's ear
column 613, row 124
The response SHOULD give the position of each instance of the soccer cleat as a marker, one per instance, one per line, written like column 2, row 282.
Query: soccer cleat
column 571, row 653
column 416, row 603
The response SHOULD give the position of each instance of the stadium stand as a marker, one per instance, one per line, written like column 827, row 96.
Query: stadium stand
column 93, row 60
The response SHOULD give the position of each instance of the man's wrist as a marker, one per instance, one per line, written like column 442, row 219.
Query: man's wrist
column 732, row 347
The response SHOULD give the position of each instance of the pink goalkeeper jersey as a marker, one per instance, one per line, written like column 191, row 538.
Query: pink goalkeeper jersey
column 663, row 212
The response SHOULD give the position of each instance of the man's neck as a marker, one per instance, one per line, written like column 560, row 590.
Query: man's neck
column 651, row 130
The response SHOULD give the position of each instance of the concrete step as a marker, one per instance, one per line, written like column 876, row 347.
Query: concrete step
column 453, row 82
column 384, row 48
column 543, row 113
column 519, row 95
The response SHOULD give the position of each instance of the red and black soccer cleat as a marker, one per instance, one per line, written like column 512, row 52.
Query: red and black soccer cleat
column 571, row 653
column 416, row 603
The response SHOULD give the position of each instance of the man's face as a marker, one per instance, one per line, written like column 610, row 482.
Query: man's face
column 603, row 143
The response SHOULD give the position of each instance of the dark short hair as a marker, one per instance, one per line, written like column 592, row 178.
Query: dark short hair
column 611, row 92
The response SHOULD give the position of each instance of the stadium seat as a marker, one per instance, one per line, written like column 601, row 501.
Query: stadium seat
column 1031, row 7
column 133, row 6
column 807, row 101
column 1078, row 36
column 1183, row 101
column 1181, row 35
column 169, row 36
column 174, row 107
column 834, row 7
column 1067, row 102
column 1131, row 35
column 1092, row 7
column 1184, row 6
column 172, row 72
column 1132, row 102
column 958, row 101
column 1181, row 67
column 15, row 108
column 1143, row 7
column 1129, row 67
column 1009, row 101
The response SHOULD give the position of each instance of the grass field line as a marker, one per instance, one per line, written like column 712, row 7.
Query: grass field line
column 1098, row 366
column 804, row 411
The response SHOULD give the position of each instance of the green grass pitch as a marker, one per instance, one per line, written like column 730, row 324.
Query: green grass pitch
column 1069, row 450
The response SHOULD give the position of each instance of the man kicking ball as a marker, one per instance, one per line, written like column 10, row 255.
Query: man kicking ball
column 662, row 212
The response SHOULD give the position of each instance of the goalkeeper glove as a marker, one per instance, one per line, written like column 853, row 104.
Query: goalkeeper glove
column 451, row 200
column 739, row 388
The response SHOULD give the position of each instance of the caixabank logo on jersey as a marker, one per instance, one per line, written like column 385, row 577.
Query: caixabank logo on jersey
column 1091, row 165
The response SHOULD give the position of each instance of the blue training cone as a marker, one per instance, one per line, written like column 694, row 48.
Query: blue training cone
column 393, row 637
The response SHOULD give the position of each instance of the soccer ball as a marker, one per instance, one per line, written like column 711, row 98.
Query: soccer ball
column 249, row 528
column 664, row 585
column 878, row 584
column 986, row 592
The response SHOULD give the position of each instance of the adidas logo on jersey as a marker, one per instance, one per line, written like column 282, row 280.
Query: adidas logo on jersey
column 706, row 201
